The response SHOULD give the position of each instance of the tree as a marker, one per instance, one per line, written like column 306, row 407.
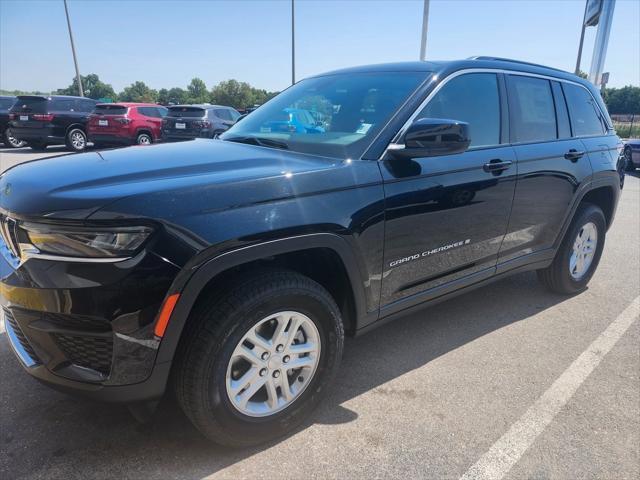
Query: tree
column 138, row 92
column 623, row 100
column 197, row 91
column 174, row 96
column 93, row 88
column 238, row 94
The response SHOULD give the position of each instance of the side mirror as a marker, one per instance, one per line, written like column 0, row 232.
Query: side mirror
column 430, row 137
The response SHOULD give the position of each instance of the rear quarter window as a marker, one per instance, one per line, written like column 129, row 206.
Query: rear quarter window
column 62, row 105
column 586, row 118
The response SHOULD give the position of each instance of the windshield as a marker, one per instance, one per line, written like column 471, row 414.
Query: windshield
column 334, row 116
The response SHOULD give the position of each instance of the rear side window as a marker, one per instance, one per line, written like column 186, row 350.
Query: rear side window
column 85, row 105
column 223, row 113
column 586, row 118
column 471, row 98
column 62, row 105
column 191, row 112
column 533, row 115
column 111, row 109
column 149, row 112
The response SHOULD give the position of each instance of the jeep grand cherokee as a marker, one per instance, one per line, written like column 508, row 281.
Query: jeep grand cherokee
column 230, row 270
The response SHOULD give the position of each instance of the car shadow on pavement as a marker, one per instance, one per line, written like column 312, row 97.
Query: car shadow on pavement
column 46, row 434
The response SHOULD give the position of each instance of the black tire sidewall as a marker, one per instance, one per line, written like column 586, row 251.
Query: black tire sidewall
column 589, row 213
column 258, row 429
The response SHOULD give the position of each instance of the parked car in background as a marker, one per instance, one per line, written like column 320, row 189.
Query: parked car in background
column 125, row 124
column 7, row 136
column 293, row 120
column 186, row 122
column 632, row 154
column 55, row 120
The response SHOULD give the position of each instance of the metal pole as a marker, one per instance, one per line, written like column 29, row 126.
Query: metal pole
column 579, row 59
column 425, row 23
column 601, row 42
column 293, row 42
column 73, row 50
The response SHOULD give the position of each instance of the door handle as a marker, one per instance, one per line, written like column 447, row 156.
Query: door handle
column 496, row 166
column 574, row 155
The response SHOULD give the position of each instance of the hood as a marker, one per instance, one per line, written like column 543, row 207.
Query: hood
column 75, row 186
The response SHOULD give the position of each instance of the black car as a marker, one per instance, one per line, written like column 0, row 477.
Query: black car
column 56, row 120
column 186, row 122
column 231, row 270
column 6, row 102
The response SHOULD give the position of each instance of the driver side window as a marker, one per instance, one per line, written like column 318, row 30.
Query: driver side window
column 472, row 98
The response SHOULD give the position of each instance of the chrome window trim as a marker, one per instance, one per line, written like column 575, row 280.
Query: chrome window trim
column 465, row 71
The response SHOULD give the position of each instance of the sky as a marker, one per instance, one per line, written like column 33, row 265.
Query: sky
column 166, row 43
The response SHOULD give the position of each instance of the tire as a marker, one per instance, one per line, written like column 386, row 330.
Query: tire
column 37, row 146
column 144, row 139
column 558, row 277
column 206, row 360
column 628, row 162
column 10, row 141
column 76, row 140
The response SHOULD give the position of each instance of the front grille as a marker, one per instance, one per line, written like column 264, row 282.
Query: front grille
column 86, row 351
column 77, row 322
column 8, row 317
column 8, row 232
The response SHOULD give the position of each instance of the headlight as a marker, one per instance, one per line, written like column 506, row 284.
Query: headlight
column 85, row 242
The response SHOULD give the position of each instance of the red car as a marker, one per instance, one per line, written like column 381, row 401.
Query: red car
column 125, row 124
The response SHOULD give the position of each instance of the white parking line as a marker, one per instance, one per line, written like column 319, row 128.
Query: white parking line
column 504, row 454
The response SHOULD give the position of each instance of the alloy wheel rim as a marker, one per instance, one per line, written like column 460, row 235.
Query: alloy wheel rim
column 273, row 364
column 13, row 140
column 144, row 140
column 77, row 140
column 584, row 249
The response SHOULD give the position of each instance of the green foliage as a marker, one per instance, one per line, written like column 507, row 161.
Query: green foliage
column 173, row 96
column 197, row 91
column 239, row 94
column 623, row 100
column 138, row 92
column 93, row 88
column 15, row 93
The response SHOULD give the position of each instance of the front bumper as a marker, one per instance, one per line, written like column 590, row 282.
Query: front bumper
column 88, row 327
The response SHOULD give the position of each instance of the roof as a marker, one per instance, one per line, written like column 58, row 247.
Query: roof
column 131, row 104
column 48, row 97
column 199, row 105
column 446, row 67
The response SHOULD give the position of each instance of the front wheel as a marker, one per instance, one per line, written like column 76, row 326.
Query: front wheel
column 76, row 140
column 256, row 361
column 579, row 253
column 11, row 141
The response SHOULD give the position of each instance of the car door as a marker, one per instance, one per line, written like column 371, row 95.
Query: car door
column 552, row 165
column 446, row 216
column 152, row 120
column 224, row 118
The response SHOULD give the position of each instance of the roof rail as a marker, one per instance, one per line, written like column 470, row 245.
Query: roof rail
column 501, row 59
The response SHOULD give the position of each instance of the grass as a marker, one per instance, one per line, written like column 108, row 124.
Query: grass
column 624, row 130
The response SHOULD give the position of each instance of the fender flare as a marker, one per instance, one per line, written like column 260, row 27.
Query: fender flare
column 79, row 126
column 609, row 181
column 218, row 264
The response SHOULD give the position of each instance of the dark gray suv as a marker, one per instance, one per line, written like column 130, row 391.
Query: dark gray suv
column 186, row 122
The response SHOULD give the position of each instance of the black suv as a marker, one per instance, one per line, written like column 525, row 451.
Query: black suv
column 186, row 122
column 5, row 132
column 56, row 120
column 230, row 270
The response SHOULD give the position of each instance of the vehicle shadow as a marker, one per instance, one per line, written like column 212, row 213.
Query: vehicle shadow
column 47, row 434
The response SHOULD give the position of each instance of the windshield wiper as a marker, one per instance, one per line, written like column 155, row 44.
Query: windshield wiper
column 260, row 141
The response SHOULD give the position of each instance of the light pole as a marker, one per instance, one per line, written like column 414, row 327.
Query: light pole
column 73, row 50
column 584, row 26
column 293, row 42
column 425, row 23
column 601, row 42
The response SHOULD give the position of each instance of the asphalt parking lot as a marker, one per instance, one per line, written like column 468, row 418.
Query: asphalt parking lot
column 506, row 380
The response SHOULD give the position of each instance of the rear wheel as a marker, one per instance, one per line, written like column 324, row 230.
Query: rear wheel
column 144, row 139
column 254, row 362
column 76, row 140
column 11, row 141
column 579, row 253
